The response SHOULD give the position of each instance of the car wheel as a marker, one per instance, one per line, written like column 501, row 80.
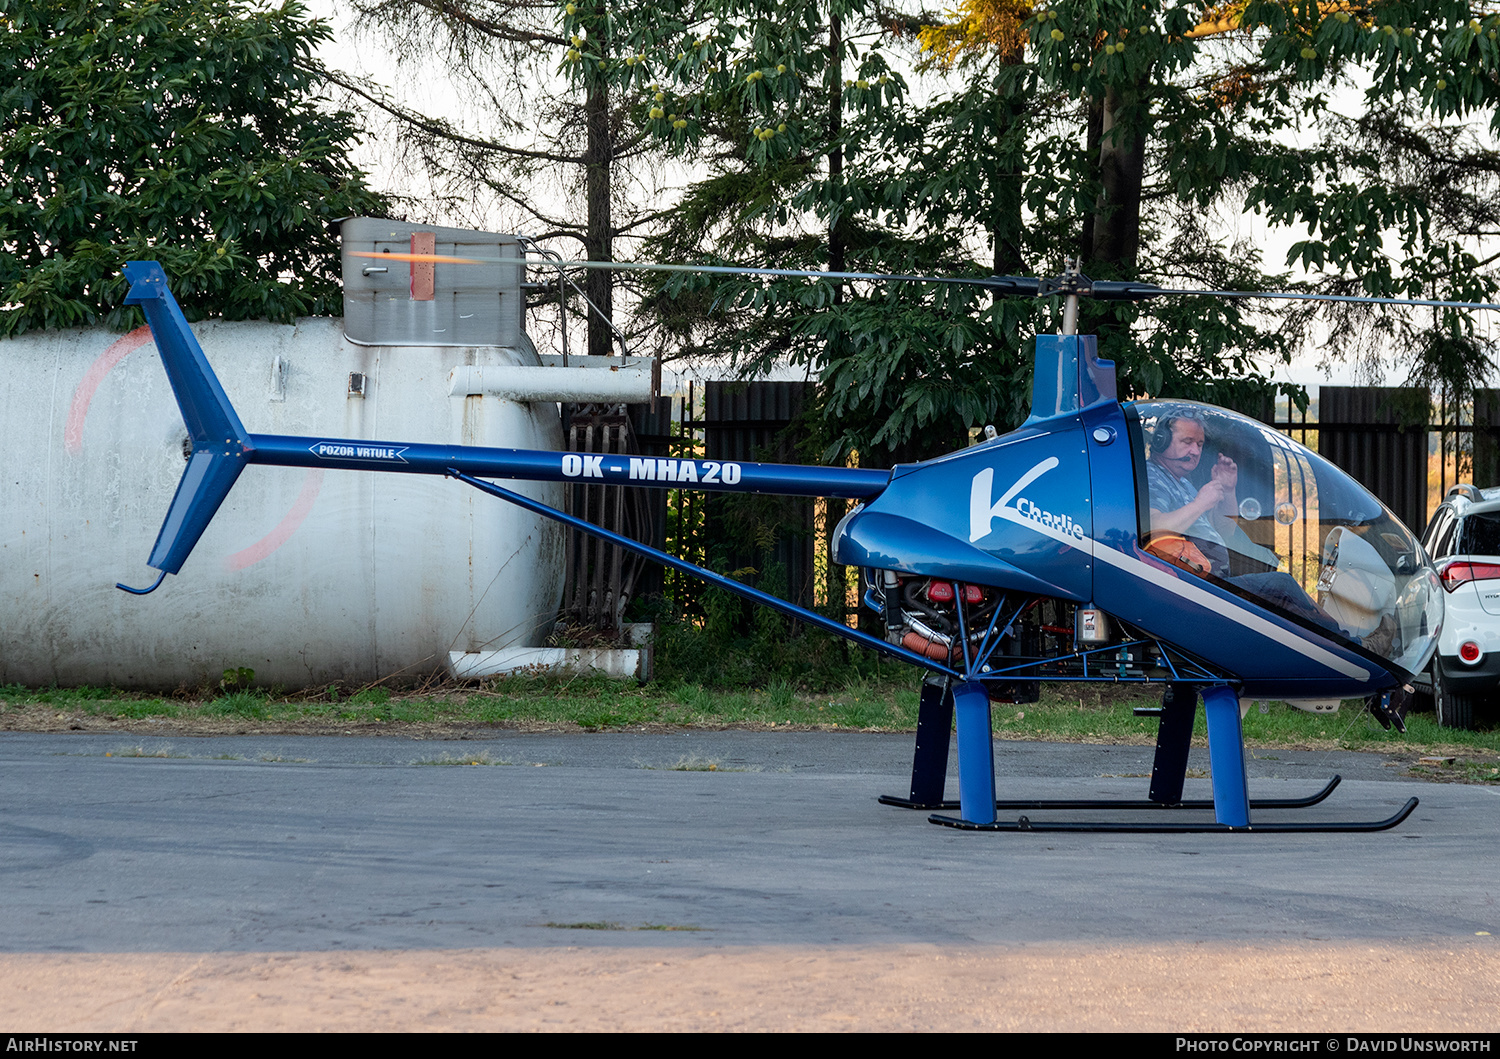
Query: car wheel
column 1453, row 711
column 1421, row 684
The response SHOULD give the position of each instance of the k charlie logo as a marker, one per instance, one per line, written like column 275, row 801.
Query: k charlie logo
column 982, row 513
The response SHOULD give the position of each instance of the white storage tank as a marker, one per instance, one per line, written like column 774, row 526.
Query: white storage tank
column 305, row 576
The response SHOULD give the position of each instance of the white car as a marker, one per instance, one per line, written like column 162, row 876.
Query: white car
column 1463, row 540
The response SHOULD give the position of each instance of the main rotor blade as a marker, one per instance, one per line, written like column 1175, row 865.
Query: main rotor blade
column 1102, row 290
column 1019, row 284
column 1364, row 299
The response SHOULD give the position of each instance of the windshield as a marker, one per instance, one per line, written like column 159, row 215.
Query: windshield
column 1238, row 502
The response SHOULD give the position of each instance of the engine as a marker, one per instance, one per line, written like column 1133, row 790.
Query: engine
column 1037, row 637
column 922, row 615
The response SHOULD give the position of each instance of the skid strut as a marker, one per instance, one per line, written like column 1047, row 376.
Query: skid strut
column 940, row 705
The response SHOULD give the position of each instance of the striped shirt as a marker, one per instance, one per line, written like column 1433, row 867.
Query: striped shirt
column 1170, row 493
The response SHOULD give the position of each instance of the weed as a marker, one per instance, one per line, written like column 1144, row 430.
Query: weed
column 141, row 751
column 1065, row 713
column 609, row 714
column 596, row 925
column 88, row 700
column 604, row 925
column 694, row 763
column 481, row 758
column 74, row 696
column 239, row 704
column 1456, row 770
column 667, row 926
column 139, row 708
column 237, row 679
column 729, row 647
column 696, row 698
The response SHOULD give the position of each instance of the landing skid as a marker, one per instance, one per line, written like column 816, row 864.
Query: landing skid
column 1125, row 803
column 945, row 702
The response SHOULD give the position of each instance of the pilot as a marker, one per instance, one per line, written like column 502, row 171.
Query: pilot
column 1189, row 523
column 1178, row 507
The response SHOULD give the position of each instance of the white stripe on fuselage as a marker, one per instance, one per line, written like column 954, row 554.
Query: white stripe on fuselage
column 1230, row 609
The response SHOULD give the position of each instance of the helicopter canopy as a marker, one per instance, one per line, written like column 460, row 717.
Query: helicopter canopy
column 1239, row 503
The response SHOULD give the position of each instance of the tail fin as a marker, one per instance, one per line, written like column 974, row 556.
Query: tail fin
column 221, row 445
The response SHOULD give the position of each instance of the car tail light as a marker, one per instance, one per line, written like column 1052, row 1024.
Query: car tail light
column 1469, row 651
column 1460, row 573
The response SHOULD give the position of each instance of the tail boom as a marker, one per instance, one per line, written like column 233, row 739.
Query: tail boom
column 222, row 448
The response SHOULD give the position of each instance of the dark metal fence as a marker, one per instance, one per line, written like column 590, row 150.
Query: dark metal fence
column 1379, row 435
column 1399, row 443
column 600, row 578
column 758, row 422
column 715, row 420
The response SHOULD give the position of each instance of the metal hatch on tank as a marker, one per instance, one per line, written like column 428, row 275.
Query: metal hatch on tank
column 1160, row 542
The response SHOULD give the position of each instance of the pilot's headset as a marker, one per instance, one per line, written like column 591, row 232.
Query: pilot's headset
column 1161, row 431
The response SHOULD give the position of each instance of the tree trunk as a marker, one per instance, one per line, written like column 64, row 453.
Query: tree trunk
column 598, row 239
column 836, row 228
column 1091, row 150
column 1006, row 221
column 1122, row 168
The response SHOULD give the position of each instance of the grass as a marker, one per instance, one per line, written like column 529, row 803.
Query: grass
column 1458, row 771
column 587, row 703
column 1070, row 713
column 240, row 704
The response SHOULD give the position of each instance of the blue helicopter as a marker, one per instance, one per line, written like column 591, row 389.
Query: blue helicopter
column 1149, row 542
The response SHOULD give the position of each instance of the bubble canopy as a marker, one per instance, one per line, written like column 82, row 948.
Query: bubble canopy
column 1240, row 504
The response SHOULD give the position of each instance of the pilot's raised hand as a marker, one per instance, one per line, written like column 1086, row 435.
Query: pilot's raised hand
column 1227, row 473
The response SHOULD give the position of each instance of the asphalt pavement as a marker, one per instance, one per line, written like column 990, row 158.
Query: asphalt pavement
column 112, row 843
